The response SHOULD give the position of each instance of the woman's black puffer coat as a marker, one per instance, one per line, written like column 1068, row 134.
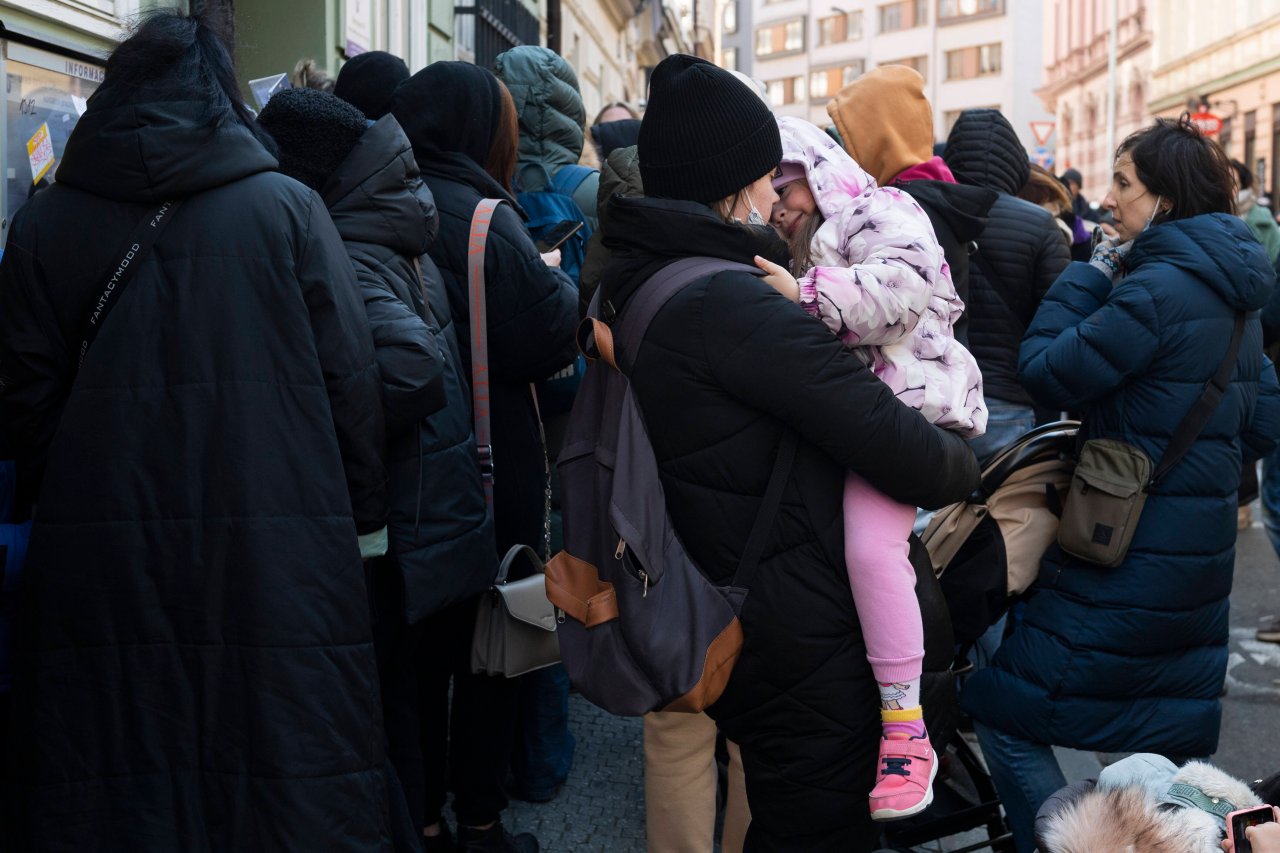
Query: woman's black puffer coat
column 726, row 366
column 1020, row 252
column 451, row 113
column 440, row 537
column 198, row 668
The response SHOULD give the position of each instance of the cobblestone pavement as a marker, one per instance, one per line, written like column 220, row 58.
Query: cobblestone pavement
column 601, row 807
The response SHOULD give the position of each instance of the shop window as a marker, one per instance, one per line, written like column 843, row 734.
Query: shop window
column 46, row 95
column 729, row 58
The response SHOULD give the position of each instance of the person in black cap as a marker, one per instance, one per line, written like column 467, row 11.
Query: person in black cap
column 1073, row 181
column 729, row 366
column 368, row 81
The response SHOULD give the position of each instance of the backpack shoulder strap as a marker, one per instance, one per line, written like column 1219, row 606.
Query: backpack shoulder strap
column 630, row 327
column 569, row 178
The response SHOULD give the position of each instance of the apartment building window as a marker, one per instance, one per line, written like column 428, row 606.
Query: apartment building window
column 784, row 37
column 825, row 82
column 951, row 11
column 836, row 29
column 1224, row 135
column 919, row 63
column 788, row 90
column 903, row 15
column 731, row 18
column 970, row 62
column 729, row 58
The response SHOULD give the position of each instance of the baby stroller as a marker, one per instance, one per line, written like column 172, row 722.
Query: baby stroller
column 985, row 553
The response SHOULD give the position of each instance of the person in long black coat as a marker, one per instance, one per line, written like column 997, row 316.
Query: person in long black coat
column 197, row 666
column 728, row 365
column 441, row 548
column 463, row 127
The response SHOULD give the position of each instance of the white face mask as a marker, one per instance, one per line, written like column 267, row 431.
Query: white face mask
column 1154, row 211
column 754, row 217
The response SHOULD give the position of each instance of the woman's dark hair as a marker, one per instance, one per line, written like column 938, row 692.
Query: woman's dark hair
column 501, row 163
column 1181, row 165
column 174, row 56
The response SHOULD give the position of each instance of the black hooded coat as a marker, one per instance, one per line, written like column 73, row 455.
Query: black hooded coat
column 726, row 366
column 451, row 112
column 197, row 670
column 1020, row 252
column 440, row 538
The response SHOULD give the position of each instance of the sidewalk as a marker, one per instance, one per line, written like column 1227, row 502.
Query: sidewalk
column 601, row 807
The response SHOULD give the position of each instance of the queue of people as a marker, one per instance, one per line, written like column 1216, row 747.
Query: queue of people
column 278, row 422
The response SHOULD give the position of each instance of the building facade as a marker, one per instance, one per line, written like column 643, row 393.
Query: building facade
column 1224, row 59
column 1075, row 91
column 972, row 53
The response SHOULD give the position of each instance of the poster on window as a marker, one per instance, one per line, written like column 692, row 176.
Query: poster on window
column 46, row 93
column 40, row 153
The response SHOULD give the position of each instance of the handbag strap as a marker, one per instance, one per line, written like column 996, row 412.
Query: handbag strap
column 513, row 553
column 768, row 512
column 480, row 223
column 143, row 238
column 1194, row 421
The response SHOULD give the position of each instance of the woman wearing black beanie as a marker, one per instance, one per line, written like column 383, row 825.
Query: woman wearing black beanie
column 463, row 128
column 727, row 367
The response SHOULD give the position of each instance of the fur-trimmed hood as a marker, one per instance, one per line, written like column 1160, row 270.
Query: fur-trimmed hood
column 1143, row 813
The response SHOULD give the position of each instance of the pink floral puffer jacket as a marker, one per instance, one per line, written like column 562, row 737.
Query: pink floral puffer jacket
column 881, row 283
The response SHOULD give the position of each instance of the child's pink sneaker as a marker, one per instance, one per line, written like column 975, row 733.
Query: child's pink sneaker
column 908, row 766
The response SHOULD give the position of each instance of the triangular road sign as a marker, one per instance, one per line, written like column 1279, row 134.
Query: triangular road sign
column 1042, row 130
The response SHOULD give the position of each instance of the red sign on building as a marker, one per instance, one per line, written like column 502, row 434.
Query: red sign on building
column 1208, row 123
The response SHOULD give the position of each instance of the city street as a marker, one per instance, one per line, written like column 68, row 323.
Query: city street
column 602, row 806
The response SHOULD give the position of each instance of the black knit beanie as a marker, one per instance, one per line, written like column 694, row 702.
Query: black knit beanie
column 314, row 131
column 705, row 135
column 368, row 81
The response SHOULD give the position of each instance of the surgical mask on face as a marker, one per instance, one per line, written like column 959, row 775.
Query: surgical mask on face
column 1154, row 211
column 754, row 217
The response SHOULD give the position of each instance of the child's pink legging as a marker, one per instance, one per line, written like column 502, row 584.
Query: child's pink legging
column 882, row 580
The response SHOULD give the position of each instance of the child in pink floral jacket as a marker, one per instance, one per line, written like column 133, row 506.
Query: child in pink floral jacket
column 870, row 267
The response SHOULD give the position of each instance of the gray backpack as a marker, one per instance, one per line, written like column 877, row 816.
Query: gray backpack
column 642, row 628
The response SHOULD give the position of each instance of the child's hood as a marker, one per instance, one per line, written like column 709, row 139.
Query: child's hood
column 834, row 178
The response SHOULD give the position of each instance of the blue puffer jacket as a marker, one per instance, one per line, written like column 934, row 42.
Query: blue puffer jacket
column 1133, row 658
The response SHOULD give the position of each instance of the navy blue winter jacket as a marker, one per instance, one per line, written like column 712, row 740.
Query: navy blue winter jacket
column 1133, row 658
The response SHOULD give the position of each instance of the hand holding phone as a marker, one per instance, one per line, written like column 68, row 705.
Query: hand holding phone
column 1253, row 830
column 556, row 237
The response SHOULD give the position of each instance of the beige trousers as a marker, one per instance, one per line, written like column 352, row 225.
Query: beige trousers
column 680, row 786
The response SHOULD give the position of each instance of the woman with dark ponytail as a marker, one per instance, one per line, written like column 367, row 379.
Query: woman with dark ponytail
column 203, row 442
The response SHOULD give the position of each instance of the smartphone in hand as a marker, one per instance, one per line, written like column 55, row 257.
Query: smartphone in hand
column 1239, row 821
column 556, row 237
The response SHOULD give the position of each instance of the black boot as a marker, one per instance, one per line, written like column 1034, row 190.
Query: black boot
column 495, row 839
